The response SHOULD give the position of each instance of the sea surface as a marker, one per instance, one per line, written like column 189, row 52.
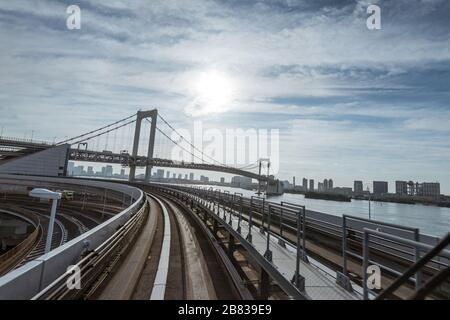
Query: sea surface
column 431, row 220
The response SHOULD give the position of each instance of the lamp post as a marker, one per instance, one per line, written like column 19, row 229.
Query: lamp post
column 48, row 195
column 368, row 190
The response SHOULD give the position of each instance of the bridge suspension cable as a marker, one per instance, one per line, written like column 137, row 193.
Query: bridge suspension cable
column 102, row 133
column 97, row 130
column 176, row 143
column 190, row 143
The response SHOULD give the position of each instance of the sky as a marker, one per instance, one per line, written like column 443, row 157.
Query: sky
column 350, row 103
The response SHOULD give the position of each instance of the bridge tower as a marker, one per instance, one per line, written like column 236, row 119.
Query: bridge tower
column 141, row 115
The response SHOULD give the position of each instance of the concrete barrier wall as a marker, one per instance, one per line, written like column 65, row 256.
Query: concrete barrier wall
column 26, row 281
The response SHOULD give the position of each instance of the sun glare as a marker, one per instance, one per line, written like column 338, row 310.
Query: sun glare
column 213, row 92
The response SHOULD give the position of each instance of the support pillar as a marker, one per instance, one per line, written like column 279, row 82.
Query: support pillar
column 264, row 285
column 141, row 115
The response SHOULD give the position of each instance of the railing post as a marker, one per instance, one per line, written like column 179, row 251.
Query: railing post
column 268, row 253
column 230, row 210
column 298, row 280
column 250, row 221
column 344, row 245
column 366, row 238
column 281, row 240
column 261, row 229
column 240, row 215
column 417, row 258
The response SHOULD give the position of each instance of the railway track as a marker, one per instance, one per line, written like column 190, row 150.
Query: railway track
column 73, row 219
column 179, row 264
column 164, row 252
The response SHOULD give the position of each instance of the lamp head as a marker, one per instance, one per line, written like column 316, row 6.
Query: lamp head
column 44, row 194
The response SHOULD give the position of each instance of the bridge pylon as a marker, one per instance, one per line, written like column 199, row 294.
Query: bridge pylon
column 141, row 115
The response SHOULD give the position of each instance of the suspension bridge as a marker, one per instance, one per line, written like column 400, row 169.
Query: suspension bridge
column 152, row 140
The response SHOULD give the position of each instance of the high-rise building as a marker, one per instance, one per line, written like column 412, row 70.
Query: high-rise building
column 330, row 184
column 222, row 180
column 180, row 176
column 401, row 188
column 109, row 171
column 424, row 189
column 287, row 184
column 186, row 176
column 90, row 171
column 305, row 184
column 168, row 174
column 191, row 176
column 321, row 186
column 325, row 184
column 431, row 189
column 358, row 187
column 122, row 172
column 160, row 174
column 311, row 184
column 380, row 187
column 174, row 175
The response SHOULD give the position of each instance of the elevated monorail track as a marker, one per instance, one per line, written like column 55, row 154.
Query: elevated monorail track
column 323, row 240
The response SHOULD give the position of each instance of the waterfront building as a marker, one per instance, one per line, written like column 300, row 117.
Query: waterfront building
column 305, row 184
column 380, row 187
column 358, row 187
column 401, row 188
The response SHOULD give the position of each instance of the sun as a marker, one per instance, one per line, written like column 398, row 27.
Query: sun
column 213, row 92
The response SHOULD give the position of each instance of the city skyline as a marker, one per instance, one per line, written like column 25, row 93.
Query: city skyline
column 350, row 103
column 410, row 188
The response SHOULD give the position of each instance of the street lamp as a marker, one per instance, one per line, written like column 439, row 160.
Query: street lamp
column 48, row 195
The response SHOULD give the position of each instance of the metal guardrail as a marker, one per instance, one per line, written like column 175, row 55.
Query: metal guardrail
column 32, row 141
column 378, row 224
column 290, row 287
column 391, row 250
column 414, row 269
column 97, row 264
